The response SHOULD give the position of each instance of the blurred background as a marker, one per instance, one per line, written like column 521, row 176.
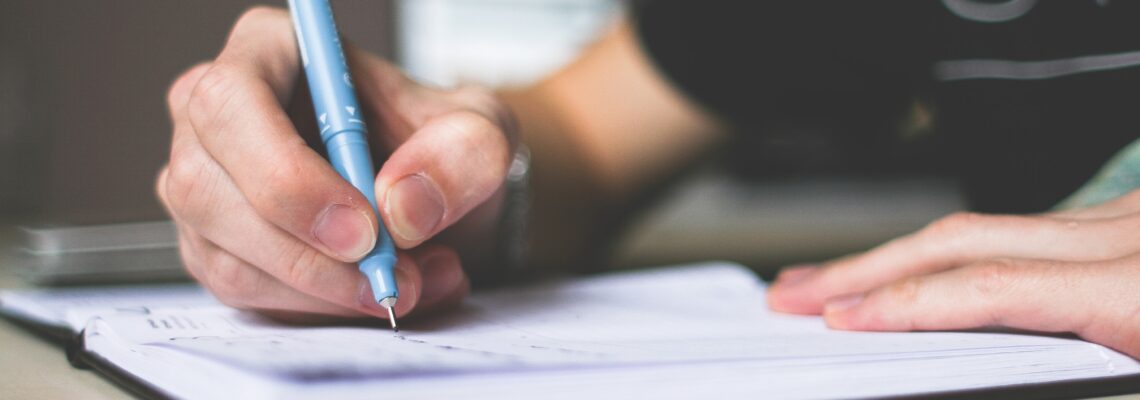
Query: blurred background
column 83, row 125
column 83, row 128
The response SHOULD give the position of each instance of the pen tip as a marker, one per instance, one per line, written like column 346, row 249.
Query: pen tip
column 392, row 319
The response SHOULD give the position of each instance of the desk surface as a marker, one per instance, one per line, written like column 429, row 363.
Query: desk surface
column 34, row 368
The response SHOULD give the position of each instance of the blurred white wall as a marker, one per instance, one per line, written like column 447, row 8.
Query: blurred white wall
column 495, row 42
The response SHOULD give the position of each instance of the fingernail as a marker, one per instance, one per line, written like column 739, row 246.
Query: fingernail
column 843, row 303
column 416, row 207
column 345, row 231
column 441, row 277
column 792, row 275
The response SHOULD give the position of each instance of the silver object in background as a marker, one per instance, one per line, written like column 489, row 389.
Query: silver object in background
column 100, row 254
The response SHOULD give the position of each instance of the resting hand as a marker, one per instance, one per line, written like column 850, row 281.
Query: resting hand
column 1072, row 271
column 265, row 222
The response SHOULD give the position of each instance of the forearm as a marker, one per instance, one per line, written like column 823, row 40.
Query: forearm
column 601, row 132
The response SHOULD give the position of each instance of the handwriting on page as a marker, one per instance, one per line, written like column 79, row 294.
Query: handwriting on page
column 612, row 321
column 664, row 333
column 72, row 307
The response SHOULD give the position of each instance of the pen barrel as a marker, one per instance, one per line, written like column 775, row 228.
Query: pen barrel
column 334, row 97
column 341, row 124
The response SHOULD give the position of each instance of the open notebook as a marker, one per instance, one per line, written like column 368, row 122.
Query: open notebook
column 699, row 331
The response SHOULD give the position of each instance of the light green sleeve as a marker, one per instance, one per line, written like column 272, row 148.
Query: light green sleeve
column 1119, row 176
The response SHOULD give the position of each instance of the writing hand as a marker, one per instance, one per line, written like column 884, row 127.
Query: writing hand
column 264, row 221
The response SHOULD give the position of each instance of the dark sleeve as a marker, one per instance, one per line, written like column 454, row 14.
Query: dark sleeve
column 758, row 64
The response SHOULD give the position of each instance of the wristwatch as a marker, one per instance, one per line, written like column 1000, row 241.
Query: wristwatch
column 512, row 242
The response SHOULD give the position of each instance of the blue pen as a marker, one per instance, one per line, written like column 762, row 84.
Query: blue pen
column 342, row 131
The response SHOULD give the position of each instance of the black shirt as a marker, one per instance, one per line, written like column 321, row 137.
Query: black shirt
column 1028, row 98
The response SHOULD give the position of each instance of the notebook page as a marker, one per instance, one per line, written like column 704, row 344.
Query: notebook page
column 72, row 307
column 691, row 322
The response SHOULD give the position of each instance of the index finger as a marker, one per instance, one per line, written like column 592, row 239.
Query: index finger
column 1080, row 297
column 953, row 241
column 236, row 113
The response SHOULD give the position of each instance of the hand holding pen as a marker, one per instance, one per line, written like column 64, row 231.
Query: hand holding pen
column 266, row 223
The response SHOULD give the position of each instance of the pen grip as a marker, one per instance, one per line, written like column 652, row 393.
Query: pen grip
column 349, row 155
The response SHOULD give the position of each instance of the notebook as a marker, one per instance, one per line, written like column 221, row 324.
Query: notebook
column 695, row 331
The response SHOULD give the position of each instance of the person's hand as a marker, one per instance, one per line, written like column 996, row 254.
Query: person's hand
column 264, row 221
column 1072, row 271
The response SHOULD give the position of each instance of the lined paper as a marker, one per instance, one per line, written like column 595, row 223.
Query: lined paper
column 676, row 332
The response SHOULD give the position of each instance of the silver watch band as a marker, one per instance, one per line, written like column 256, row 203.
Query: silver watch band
column 513, row 243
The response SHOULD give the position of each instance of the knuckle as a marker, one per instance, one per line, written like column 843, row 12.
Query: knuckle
column 484, row 138
column 188, row 185
column 954, row 224
column 179, row 92
column 210, row 97
column 181, row 179
column 231, row 280
column 905, row 291
column 304, row 269
column 277, row 194
column 993, row 277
